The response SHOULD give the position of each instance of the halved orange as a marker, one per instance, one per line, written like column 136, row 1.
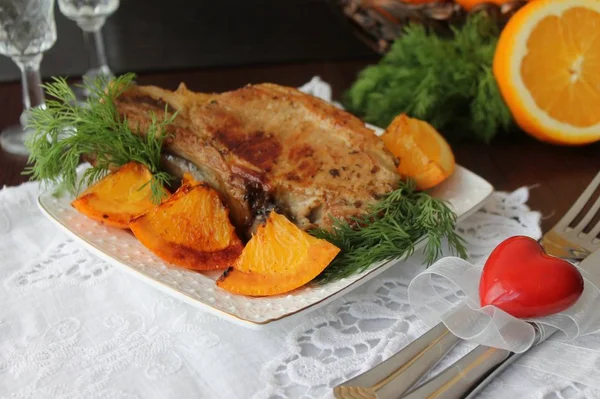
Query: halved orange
column 190, row 229
column 423, row 153
column 278, row 258
column 547, row 65
column 118, row 197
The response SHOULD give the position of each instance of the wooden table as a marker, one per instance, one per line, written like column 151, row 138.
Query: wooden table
column 557, row 175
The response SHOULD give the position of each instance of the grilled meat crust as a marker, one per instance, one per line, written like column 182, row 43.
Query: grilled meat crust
column 265, row 146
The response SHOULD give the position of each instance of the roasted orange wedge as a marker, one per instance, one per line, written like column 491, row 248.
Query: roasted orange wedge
column 278, row 258
column 423, row 153
column 118, row 197
column 547, row 65
column 190, row 229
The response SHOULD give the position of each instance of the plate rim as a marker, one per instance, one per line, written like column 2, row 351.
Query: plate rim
column 267, row 323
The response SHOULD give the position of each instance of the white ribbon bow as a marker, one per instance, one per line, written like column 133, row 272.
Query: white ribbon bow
column 448, row 292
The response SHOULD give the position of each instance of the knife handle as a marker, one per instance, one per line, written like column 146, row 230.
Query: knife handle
column 468, row 376
column 396, row 375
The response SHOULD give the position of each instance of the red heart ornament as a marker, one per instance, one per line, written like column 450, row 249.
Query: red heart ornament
column 524, row 281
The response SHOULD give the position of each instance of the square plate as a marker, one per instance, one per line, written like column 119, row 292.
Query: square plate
column 464, row 190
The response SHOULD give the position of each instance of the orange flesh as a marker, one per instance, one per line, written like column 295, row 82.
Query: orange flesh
column 119, row 197
column 277, row 247
column 562, row 66
column 196, row 217
column 254, row 283
column 423, row 153
column 190, row 229
column 279, row 258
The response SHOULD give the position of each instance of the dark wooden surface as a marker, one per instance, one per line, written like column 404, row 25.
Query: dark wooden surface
column 557, row 175
column 154, row 35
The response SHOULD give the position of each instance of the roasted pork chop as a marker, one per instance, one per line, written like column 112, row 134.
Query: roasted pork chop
column 266, row 146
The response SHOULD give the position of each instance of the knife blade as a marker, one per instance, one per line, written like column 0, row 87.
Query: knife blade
column 396, row 375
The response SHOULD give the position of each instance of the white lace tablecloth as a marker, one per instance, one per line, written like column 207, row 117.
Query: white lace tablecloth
column 72, row 326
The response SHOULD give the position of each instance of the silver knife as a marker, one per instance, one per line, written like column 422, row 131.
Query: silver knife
column 469, row 376
column 396, row 375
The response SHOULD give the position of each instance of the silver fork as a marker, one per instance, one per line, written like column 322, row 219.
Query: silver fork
column 398, row 374
column 573, row 243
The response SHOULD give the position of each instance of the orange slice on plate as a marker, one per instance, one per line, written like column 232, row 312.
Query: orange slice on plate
column 190, row 229
column 278, row 258
column 423, row 153
column 118, row 197
column 547, row 65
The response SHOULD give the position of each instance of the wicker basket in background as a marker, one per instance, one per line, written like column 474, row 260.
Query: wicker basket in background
column 379, row 22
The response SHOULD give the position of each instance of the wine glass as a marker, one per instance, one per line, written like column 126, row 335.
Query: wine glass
column 90, row 15
column 27, row 30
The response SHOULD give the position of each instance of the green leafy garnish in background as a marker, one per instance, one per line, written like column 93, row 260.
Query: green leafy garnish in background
column 64, row 132
column 391, row 229
column 446, row 81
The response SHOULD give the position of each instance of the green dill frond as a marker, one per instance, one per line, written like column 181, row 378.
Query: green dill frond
column 65, row 132
column 391, row 229
column 446, row 81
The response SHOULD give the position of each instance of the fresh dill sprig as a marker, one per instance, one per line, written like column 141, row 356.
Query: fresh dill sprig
column 447, row 81
column 64, row 132
column 391, row 229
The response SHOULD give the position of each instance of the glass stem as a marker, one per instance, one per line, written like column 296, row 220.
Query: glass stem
column 95, row 45
column 33, row 94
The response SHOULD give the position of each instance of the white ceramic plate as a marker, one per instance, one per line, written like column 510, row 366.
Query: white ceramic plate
column 465, row 191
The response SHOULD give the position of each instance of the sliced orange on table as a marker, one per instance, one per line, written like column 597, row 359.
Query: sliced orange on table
column 278, row 258
column 118, row 197
column 423, row 153
column 547, row 65
column 190, row 229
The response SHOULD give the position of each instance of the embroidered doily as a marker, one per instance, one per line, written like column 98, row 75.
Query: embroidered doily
column 71, row 326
